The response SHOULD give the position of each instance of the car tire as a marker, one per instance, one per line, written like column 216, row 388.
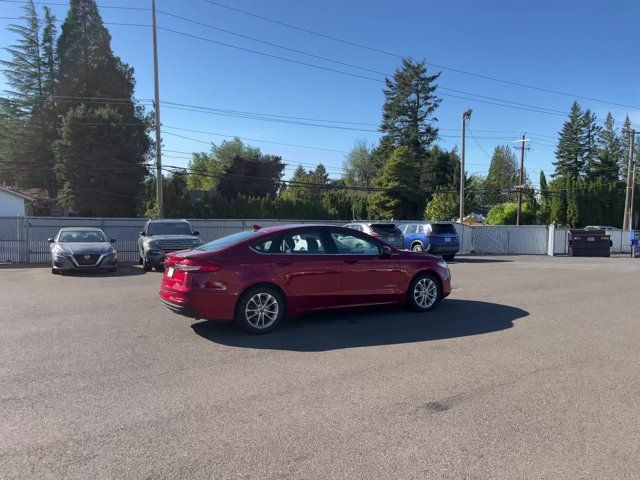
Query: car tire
column 425, row 292
column 448, row 258
column 253, row 320
column 146, row 266
column 54, row 271
column 417, row 247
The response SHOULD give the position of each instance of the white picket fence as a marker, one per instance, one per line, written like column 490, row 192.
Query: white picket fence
column 24, row 239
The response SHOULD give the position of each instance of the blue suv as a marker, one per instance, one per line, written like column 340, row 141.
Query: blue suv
column 439, row 238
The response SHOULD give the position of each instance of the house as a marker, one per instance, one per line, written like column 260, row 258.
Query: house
column 14, row 203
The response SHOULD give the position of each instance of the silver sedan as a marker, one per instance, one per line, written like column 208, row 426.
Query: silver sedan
column 82, row 248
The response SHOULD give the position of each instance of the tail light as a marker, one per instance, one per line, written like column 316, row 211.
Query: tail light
column 375, row 234
column 190, row 265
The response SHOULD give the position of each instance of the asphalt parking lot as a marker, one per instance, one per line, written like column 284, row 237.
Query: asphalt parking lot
column 531, row 369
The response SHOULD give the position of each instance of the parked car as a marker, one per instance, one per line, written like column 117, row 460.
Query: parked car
column 438, row 238
column 160, row 237
column 601, row 227
column 82, row 248
column 257, row 277
column 387, row 232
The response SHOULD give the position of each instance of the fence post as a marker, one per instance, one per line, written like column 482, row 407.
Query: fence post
column 27, row 237
column 551, row 240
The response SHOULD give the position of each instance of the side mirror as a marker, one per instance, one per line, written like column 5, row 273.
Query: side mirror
column 50, row 240
column 196, row 232
column 387, row 251
column 142, row 234
column 113, row 240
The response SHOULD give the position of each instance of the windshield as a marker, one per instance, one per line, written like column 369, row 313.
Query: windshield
column 223, row 242
column 169, row 228
column 82, row 236
column 385, row 228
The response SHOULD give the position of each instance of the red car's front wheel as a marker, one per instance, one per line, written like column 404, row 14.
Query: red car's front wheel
column 260, row 309
column 424, row 293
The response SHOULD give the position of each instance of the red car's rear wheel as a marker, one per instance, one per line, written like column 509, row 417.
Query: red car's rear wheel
column 260, row 309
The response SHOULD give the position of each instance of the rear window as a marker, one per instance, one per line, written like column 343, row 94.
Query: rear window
column 443, row 228
column 224, row 242
column 385, row 228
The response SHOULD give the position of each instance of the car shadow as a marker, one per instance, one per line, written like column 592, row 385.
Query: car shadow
column 479, row 260
column 122, row 271
column 369, row 327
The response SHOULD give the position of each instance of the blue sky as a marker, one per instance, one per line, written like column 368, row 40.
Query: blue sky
column 584, row 48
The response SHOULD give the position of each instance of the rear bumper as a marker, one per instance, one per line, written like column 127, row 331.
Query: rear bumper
column 183, row 310
column 206, row 304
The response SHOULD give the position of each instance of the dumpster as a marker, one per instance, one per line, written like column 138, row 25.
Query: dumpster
column 589, row 243
column 635, row 243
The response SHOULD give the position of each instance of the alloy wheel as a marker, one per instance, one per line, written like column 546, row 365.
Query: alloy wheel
column 425, row 293
column 262, row 310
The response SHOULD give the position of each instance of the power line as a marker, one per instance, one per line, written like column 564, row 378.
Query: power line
column 478, row 143
column 396, row 55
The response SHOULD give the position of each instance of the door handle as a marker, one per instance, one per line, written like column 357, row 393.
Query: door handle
column 350, row 262
column 283, row 264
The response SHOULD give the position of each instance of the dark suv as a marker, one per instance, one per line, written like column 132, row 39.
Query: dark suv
column 163, row 236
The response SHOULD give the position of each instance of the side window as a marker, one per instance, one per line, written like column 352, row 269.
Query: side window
column 303, row 243
column 411, row 229
column 347, row 243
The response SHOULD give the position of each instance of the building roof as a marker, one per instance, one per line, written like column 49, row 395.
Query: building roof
column 17, row 194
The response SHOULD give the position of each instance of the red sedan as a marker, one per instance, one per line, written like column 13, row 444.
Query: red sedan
column 256, row 277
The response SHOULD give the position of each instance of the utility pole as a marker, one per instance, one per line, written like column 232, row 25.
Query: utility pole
column 159, row 195
column 627, row 223
column 466, row 116
column 520, row 186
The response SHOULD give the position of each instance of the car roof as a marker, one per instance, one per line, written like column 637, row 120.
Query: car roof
column 80, row 229
column 170, row 220
column 283, row 228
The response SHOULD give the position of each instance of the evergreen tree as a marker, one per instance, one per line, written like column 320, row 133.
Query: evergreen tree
column 570, row 152
column 101, row 161
column 504, row 174
column 610, row 154
column 439, row 169
column 400, row 199
column 410, row 103
column 30, row 125
column 625, row 137
column 545, row 199
column 96, row 132
column 558, row 201
column 589, row 138
column 296, row 190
